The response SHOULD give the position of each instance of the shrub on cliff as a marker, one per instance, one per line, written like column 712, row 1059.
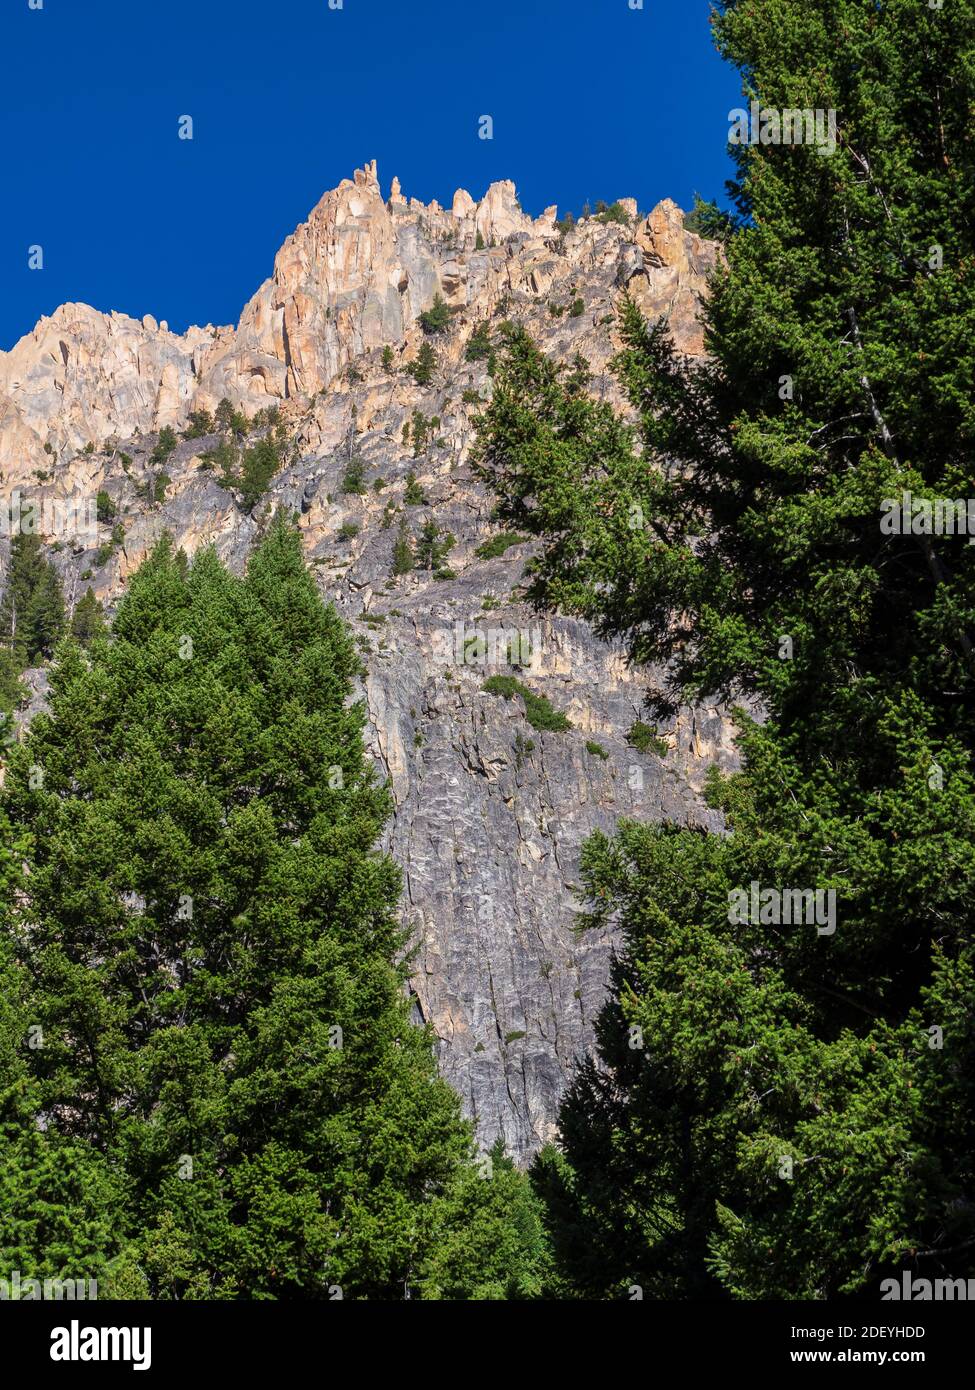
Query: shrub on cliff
column 437, row 318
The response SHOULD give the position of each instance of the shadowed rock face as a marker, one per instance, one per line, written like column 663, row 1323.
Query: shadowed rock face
column 490, row 813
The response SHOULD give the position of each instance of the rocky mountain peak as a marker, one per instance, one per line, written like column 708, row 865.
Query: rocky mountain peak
column 354, row 277
column 491, row 811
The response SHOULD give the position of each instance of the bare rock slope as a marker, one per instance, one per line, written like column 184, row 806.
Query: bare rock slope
column 490, row 812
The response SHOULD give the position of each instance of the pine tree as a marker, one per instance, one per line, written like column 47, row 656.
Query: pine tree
column 201, row 423
column 413, row 494
column 88, row 619
column 165, row 445
column 59, row 1202
column 437, row 318
column 433, row 547
column 212, row 954
column 793, row 1113
column 479, row 343
column 11, row 691
column 32, row 615
column 354, row 477
column 492, row 1244
column 708, row 220
column 423, row 365
column 58, row 1199
column 403, row 558
column 258, row 466
column 229, row 419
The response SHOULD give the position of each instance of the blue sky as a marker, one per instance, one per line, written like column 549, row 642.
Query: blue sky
column 589, row 98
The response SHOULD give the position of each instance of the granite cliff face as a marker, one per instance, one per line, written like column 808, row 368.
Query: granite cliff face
column 490, row 812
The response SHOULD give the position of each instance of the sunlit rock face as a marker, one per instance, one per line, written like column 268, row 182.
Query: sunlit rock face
column 490, row 813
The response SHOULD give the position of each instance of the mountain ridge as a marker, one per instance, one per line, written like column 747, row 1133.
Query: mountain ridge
column 352, row 277
column 490, row 811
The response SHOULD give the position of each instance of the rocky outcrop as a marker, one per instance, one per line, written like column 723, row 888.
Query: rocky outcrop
column 490, row 813
column 352, row 278
column 81, row 377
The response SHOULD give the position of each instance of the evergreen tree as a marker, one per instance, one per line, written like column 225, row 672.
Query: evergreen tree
column 708, row 220
column 354, row 477
column 165, row 445
column 419, row 430
column 11, row 690
column 793, row 1114
column 612, row 212
column 258, row 467
column 433, row 547
column 57, row 1198
column 229, row 419
column 437, row 318
column 403, row 557
column 493, row 1243
column 88, row 619
column 212, row 955
column 32, row 615
column 478, row 344
column 423, row 366
column 201, row 423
